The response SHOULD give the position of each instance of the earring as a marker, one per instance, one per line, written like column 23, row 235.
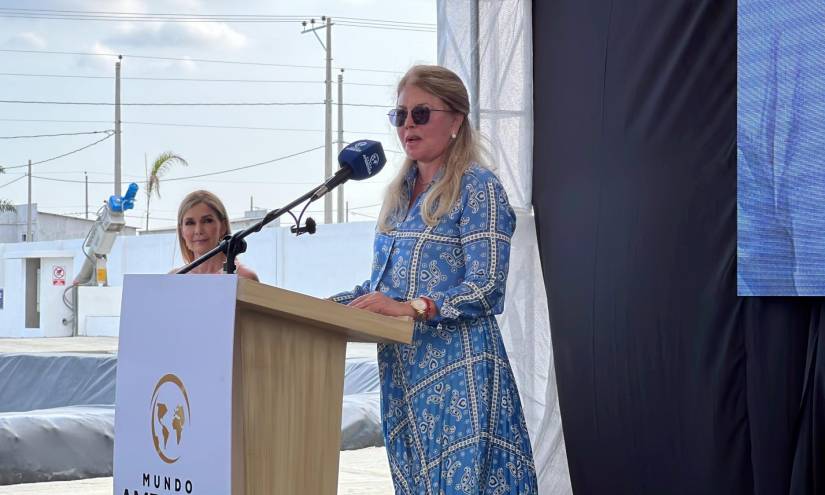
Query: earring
column 453, row 135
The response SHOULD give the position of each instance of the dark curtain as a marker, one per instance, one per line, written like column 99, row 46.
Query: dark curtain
column 669, row 383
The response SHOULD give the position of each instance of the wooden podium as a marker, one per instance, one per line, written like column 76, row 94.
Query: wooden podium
column 286, row 355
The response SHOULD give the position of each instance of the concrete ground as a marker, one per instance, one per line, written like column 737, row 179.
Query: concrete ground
column 108, row 345
column 361, row 472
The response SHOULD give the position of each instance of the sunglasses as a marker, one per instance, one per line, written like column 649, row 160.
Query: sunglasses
column 420, row 115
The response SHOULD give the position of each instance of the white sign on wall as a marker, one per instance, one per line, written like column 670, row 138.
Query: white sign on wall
column 173, row 414
column 58, row 275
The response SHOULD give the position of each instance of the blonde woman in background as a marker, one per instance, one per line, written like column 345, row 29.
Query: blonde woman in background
column 202, row 224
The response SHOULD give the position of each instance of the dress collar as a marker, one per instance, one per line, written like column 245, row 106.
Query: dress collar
column 409, row 183
column 412, row 174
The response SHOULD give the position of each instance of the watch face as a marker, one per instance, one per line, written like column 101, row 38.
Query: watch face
column 418, row 305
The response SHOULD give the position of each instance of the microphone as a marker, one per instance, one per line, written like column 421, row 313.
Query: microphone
column 360, row 160
column 308, row 228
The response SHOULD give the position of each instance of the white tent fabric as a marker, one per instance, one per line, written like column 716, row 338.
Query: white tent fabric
column 489, row 44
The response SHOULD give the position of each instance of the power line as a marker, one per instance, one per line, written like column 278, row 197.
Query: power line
column 138, row 78
column 91, row 172
column 362, row 19
column 43, row 205
column 64, row 154
column 393, row 27
column 79, row 15
column 165, row 104
column 372, row 217
column 366, row 105
column 212, row 16
column 142, row 217
column 206, row 126
column 77, row 215
column 148, row 57
column 140, row 17
column 164, row 14
column 56, row 135
column 387, row 27
column 171, row 179
column 13, row 181
column 280, row 158
column 203, row 60
column 194, row 79
column 59, row 121
column 190, row 104
column 141, row 179
column 365, row 206
column 142, row 13
column 72, row 181
column 247, row 128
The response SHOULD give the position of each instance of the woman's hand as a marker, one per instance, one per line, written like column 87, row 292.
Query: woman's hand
column 383, row 305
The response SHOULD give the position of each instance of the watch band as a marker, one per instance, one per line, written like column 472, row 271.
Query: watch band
column 430, row 311
column 421, row 308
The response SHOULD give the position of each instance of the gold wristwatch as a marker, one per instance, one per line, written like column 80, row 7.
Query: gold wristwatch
column 420, row 307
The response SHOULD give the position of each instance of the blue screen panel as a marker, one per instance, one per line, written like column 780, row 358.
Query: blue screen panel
column 781, row 148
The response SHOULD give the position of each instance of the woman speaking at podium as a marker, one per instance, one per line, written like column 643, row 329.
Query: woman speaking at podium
column 202, row 224
column 451, row 413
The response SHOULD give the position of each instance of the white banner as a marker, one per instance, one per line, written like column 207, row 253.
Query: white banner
column 173, row 415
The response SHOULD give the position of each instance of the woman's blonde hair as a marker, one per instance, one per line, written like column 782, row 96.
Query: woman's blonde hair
column 191, row 200
column 461, row 152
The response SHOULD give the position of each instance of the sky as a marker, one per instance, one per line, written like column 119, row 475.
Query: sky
column 173, row 63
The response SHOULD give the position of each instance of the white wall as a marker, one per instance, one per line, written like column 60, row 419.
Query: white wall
column 53, row 313
column 15, row 223
column 13, row 314
column 98, row 313
column 13, row 282
column 336, row 258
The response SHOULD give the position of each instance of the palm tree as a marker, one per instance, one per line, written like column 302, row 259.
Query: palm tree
column 6, row 205
column 160, row 166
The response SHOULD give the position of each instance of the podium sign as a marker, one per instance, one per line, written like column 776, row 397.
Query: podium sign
column 173, row 417
column 230, row 386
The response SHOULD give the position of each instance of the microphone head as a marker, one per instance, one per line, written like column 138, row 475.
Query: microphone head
column 310, row 225
column 364, row 157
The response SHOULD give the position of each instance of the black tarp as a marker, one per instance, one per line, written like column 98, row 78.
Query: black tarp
column 669, row 383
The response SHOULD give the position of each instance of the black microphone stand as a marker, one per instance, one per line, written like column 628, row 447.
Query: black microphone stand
column 233, row 245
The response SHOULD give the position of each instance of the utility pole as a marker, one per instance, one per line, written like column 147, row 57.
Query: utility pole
column 327, row 104
column 117, row 125
column 328, row 123
column 341, row 141
column 86, row 176
column 29, row 209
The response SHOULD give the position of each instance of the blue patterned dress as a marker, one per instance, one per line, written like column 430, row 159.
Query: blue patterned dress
column 451, row 413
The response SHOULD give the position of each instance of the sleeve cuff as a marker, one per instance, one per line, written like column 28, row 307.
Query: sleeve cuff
column 443, row 308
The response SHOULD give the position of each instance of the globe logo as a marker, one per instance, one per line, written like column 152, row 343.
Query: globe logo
column 170, row 417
